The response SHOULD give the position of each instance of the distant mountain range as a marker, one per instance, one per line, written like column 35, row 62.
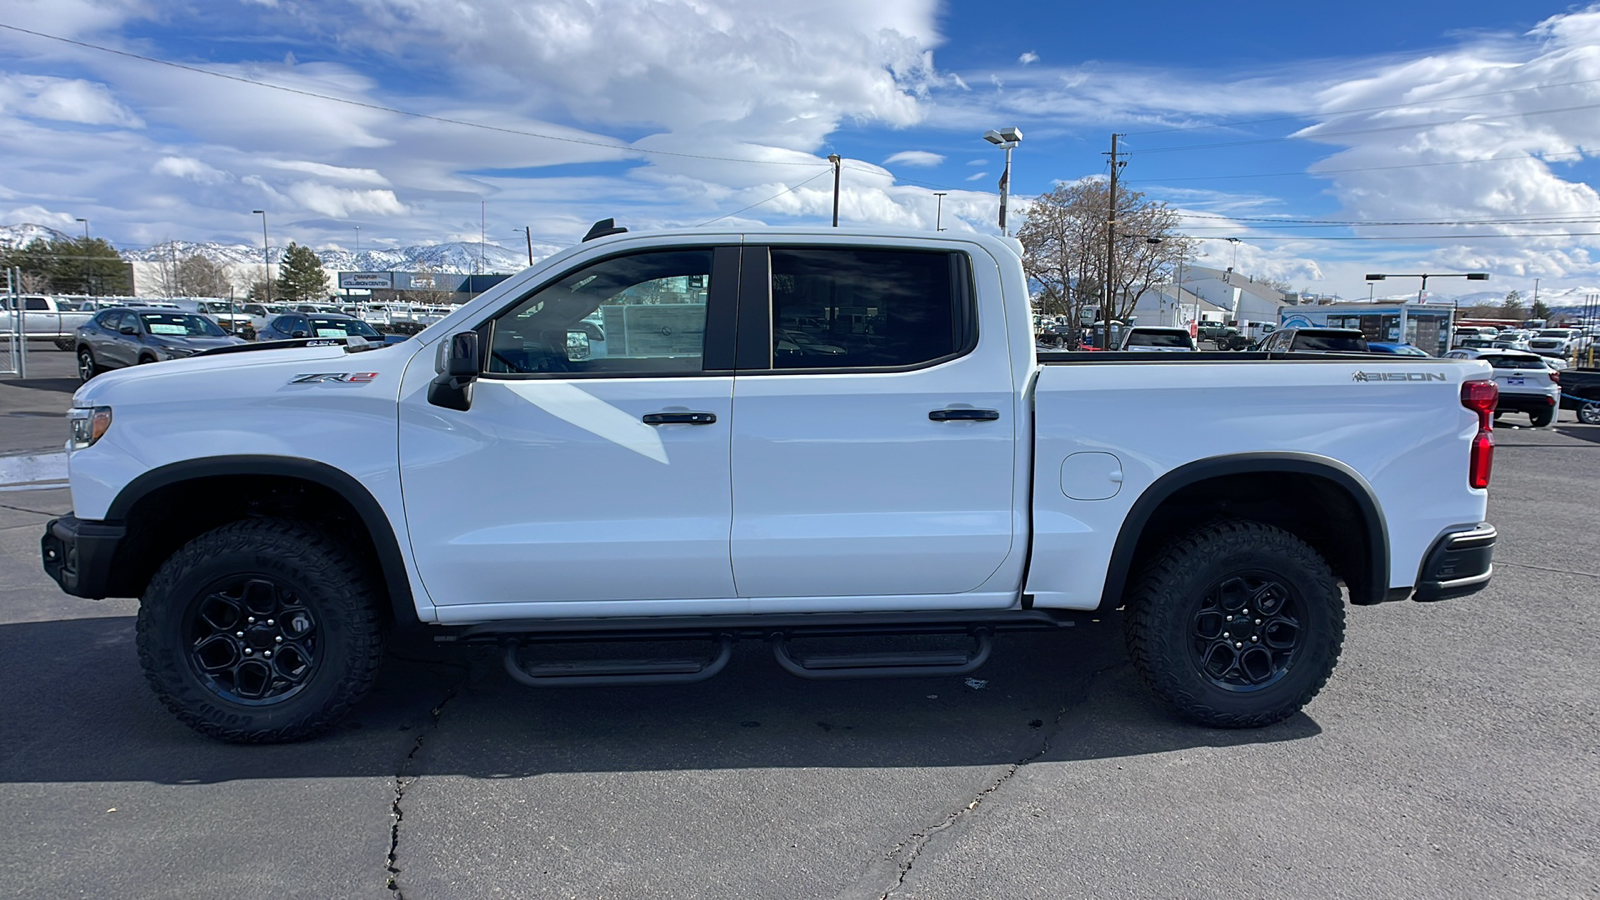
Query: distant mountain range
column 242, row 262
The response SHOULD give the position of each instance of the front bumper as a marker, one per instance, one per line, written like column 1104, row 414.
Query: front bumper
column 1458, row 564
column 79, row 555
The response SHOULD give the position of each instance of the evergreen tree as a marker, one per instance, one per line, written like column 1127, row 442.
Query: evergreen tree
column 74, row 266
column 1512, row 307
column 1539, row 311
column 300, row 276
column 259, row 291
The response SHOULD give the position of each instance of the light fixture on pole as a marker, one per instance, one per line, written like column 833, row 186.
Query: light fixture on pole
column 1470, row 276
column 1006, row 139
column 938, row 212
column 266, row 253
column 836, row 160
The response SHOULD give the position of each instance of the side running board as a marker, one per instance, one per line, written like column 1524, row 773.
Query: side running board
column 882, row 665
column 606, row 672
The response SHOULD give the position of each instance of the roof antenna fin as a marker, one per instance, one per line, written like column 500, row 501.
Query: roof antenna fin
column 604, row 228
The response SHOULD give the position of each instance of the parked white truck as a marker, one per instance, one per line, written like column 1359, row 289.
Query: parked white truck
column 43, row 318
column 913, row 467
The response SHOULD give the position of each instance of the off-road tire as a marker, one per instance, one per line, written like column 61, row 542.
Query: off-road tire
column 1542, row 419
column 1165, row 608
column 318, row 573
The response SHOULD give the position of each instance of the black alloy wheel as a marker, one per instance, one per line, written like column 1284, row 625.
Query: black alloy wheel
column 251, row 640
column 1246, row 631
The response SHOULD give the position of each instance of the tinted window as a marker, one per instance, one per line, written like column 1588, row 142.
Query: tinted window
column 867, row 308
column 36, row 303
column 1507, row 361
column 180, row 325
column 639, row 314
column 109, row 319
column 1159, row 339
column 1330, row 343
column 325, row 326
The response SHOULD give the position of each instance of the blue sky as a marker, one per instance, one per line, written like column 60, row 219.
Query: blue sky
column 1393, row 108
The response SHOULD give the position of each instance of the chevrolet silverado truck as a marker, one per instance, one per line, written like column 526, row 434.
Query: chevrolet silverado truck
column 43, row 319
column 914, row 467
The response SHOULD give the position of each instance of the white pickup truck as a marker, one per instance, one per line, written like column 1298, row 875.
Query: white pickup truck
column 912, row 467
column 43, row 319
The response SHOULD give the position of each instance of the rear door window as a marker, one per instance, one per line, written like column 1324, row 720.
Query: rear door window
column 854, row 308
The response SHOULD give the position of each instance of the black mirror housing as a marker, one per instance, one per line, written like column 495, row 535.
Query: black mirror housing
column 459, row 363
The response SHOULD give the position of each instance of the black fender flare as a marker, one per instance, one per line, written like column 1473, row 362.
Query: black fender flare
column 342, row 483
column 1361, row 493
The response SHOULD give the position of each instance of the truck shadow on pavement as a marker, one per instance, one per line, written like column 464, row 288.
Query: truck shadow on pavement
column 79, row 711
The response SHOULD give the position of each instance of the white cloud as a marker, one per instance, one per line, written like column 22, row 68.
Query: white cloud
column 323, row 170
column 341, row 203
column 1028, row 58
column 63, row 100
column 977, row 175
column 914, row 158
column 190, row 168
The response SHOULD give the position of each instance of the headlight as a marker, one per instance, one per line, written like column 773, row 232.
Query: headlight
column 177, row 352
column 88, row 425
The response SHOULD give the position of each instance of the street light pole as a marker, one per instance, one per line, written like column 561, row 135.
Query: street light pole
column 86, row 252
column 836, row 160
column 1006, row 139
column 266, row 253
column 938, row 213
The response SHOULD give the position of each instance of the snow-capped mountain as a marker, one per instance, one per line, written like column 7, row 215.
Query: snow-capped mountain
column 15, row 236
column 242, row 262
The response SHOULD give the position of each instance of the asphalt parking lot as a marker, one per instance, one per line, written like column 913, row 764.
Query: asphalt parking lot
column 1453, row 754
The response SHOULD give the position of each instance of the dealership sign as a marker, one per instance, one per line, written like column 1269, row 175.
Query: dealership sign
column 366, row 280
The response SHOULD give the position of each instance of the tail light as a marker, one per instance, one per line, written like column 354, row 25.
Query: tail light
column 1555, row 377
column 1481, row 397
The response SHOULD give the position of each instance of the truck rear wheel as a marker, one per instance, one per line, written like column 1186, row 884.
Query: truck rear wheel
column 260, row 631
column 1236, row 625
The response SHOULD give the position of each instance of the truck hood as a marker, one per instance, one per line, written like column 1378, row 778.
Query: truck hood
column 266, row 368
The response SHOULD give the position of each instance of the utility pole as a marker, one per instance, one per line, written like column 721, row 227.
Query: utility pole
column 529, row 230
column 834, row 158
column 938, row 214
column 1111, row 241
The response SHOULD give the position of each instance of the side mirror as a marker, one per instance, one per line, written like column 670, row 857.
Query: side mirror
column 298, row 334
column 578, row 345
column 458, row 365
column 128, row 329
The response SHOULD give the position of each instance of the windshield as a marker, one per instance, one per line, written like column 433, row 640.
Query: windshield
column 180, row 325
column 1159, row 339
column 326, row 326
column 1555, row 333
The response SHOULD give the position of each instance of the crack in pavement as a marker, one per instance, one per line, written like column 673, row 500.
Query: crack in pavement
column 401, row 783
column 1500, row 562
column 918, row 841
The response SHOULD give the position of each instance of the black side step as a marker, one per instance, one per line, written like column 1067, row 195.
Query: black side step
column 882, row 665
column 604, row 672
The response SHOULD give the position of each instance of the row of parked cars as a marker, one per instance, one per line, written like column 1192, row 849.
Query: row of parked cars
column 1529, row 383
column 123, row 336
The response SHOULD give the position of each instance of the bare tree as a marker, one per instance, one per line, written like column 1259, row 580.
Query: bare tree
column 1064, row 248
column 197, row 276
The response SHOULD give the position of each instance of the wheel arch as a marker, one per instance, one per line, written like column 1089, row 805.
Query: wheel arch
column 153, row 508
column 1262, row 487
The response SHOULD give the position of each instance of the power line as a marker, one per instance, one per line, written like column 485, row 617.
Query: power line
column 1406, row 238
column 1416, row 125
column 621, row 148
column 769, row 199
column 1365, row 109
column 1303, row 173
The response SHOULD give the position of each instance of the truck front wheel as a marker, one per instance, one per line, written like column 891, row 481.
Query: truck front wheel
column 260, row 631
column 1236, row 625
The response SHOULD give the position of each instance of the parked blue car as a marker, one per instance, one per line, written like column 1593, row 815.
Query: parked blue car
column 1396, row 349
